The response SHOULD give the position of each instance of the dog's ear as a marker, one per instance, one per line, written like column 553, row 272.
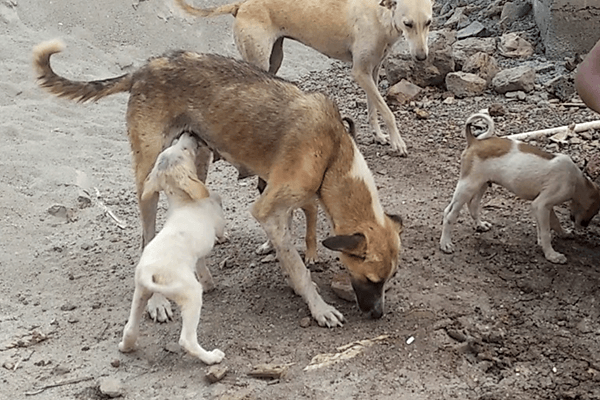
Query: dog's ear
column 389, row 4
column 349, row 244
column 193, row 187
column 397, row 220
column 151, row 185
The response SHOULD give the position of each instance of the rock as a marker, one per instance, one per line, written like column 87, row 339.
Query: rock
column 512, row 11
column 513, row 79
column 563, row 87
column 342, row 287
column 513, row 46
column 403, row 92
column 496, row 110
column 216, row 373
column 464, row 84
column 431, row 72
column 516, row 95
column 593, row 166
column 476, row 28
column 305, row 322
column 116, row 363
column 483, row 65
column 458, row 19
column 463, row 49
column 111, row 387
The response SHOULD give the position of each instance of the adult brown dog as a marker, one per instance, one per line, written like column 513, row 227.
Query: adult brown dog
column 266, row 126
column 357, row 31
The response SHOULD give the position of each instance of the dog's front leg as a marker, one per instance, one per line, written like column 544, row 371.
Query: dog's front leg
column 542, row 211
column 275, row 223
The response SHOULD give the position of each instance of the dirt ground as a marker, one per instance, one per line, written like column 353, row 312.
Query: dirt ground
column 492, row 321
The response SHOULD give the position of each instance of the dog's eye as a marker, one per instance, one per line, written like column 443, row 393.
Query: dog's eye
column 428, row 23
column 408, row 24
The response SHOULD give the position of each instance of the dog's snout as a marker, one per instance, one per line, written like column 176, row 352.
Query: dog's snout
column 421, row 57
column 377, row 312
column 370, row 297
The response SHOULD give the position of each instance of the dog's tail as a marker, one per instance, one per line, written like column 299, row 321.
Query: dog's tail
column 468, row 127
column 210, row 12
column 74, row 90
column 171, row 290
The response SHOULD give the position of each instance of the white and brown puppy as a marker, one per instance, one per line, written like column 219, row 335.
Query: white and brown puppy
column 168, row 263
column 295, row 141
column 358, row 31
column 527, row 171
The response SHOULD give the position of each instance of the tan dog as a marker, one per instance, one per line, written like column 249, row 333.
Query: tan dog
column 265, row 126
column 527, row 171
column 169, row 261
column 357, row 31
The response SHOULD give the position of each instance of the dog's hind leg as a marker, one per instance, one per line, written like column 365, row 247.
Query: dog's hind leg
column 204, row 275
column 132, row 328
column 542, row 210
column 272, row 210
column 256, row 45
column 310, row 215
column 475, row 209
column 462, row 194
column 191, row 305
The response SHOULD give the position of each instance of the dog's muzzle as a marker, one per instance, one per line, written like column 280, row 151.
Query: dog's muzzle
column 370, row 297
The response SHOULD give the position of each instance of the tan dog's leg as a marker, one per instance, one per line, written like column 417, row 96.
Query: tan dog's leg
column 132, row 328
column 255, row 43
column 272, row 210
column 363, row 74
column 190, row 303
column 310, row 213
column 542, row 210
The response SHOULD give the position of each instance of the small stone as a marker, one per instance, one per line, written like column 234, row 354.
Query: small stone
column 173, row 348
column 342, row 286
column 116, row 363
column 68, row 307
column 496, row 110
column 111, row 387
column 269, row 258
column 216, row 373
column 305, row 322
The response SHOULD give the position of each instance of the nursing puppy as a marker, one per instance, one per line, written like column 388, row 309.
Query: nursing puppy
column 168, row 263
column 358, row 31
column 527, row 171
column 295, row 141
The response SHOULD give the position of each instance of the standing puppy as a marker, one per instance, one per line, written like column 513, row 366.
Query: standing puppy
column 358, row 31
column 527, row 171
column 168, row 263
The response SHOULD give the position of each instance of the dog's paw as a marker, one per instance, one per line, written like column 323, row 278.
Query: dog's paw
column 446, row 246
column 311, row 258
column 126, row 348
column 400, row 148
column 382, row 138
column 214, row 357
column 159, row 308
column 556, row 257
column 223, row 238
column 328, row 316
column 265, row 248
column 483, row 226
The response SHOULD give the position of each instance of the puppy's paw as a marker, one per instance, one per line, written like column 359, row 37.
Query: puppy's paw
column 382, row 138
column 126, row 347
column 223, row 238
column 483, row 226
column 159, row 308
column 446, row 246
column 556, row 257
column 265, row 248
column 214, row 357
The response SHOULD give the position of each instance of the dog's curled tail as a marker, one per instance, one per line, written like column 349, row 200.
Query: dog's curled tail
column 210, row 12
column 74, row 90
column 468, row 127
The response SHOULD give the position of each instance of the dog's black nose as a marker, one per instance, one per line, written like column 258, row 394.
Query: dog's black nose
column 376, row 313
column 421, row 57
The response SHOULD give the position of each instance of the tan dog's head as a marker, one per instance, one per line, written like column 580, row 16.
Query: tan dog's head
column 413, row 18
column 371, row 257
column 586, row 203
column 174, row 172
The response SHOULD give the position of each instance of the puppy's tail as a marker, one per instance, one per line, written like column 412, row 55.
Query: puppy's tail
column 210, row 12
column 468, row 127
column 74, row 90
column 171, row 290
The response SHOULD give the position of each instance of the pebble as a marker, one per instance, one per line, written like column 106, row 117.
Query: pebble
column 342, row 287
column 305, row 322
column 216, row 373
column 111, row 387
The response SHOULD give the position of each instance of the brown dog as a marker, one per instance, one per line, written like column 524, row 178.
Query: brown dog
column 357, row 31
column 264, row 125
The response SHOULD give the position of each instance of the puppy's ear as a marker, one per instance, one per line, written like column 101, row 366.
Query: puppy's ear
column 389, row 4
column 397, row 220
column 151, row 185
column 193, row 187
column 355, row 245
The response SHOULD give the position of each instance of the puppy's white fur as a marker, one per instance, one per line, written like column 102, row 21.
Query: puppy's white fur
column 358, row 31
column 531, row 174
column 168, row 263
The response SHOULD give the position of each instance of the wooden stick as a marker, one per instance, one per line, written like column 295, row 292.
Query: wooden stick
column 59, row 383
column 586, row 126
column 120, row 223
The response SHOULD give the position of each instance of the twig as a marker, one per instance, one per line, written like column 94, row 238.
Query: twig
column 120, row 223
column 99, row 338
column 551, row 131
column 59, row 383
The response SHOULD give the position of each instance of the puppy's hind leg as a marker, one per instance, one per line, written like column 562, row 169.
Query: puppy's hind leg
column 191, row 305
column 132, row 328
column 462, row 194
column 542, row 211
column 475, row 209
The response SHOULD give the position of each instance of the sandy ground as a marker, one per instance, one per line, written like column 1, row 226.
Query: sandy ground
column 495, row 320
